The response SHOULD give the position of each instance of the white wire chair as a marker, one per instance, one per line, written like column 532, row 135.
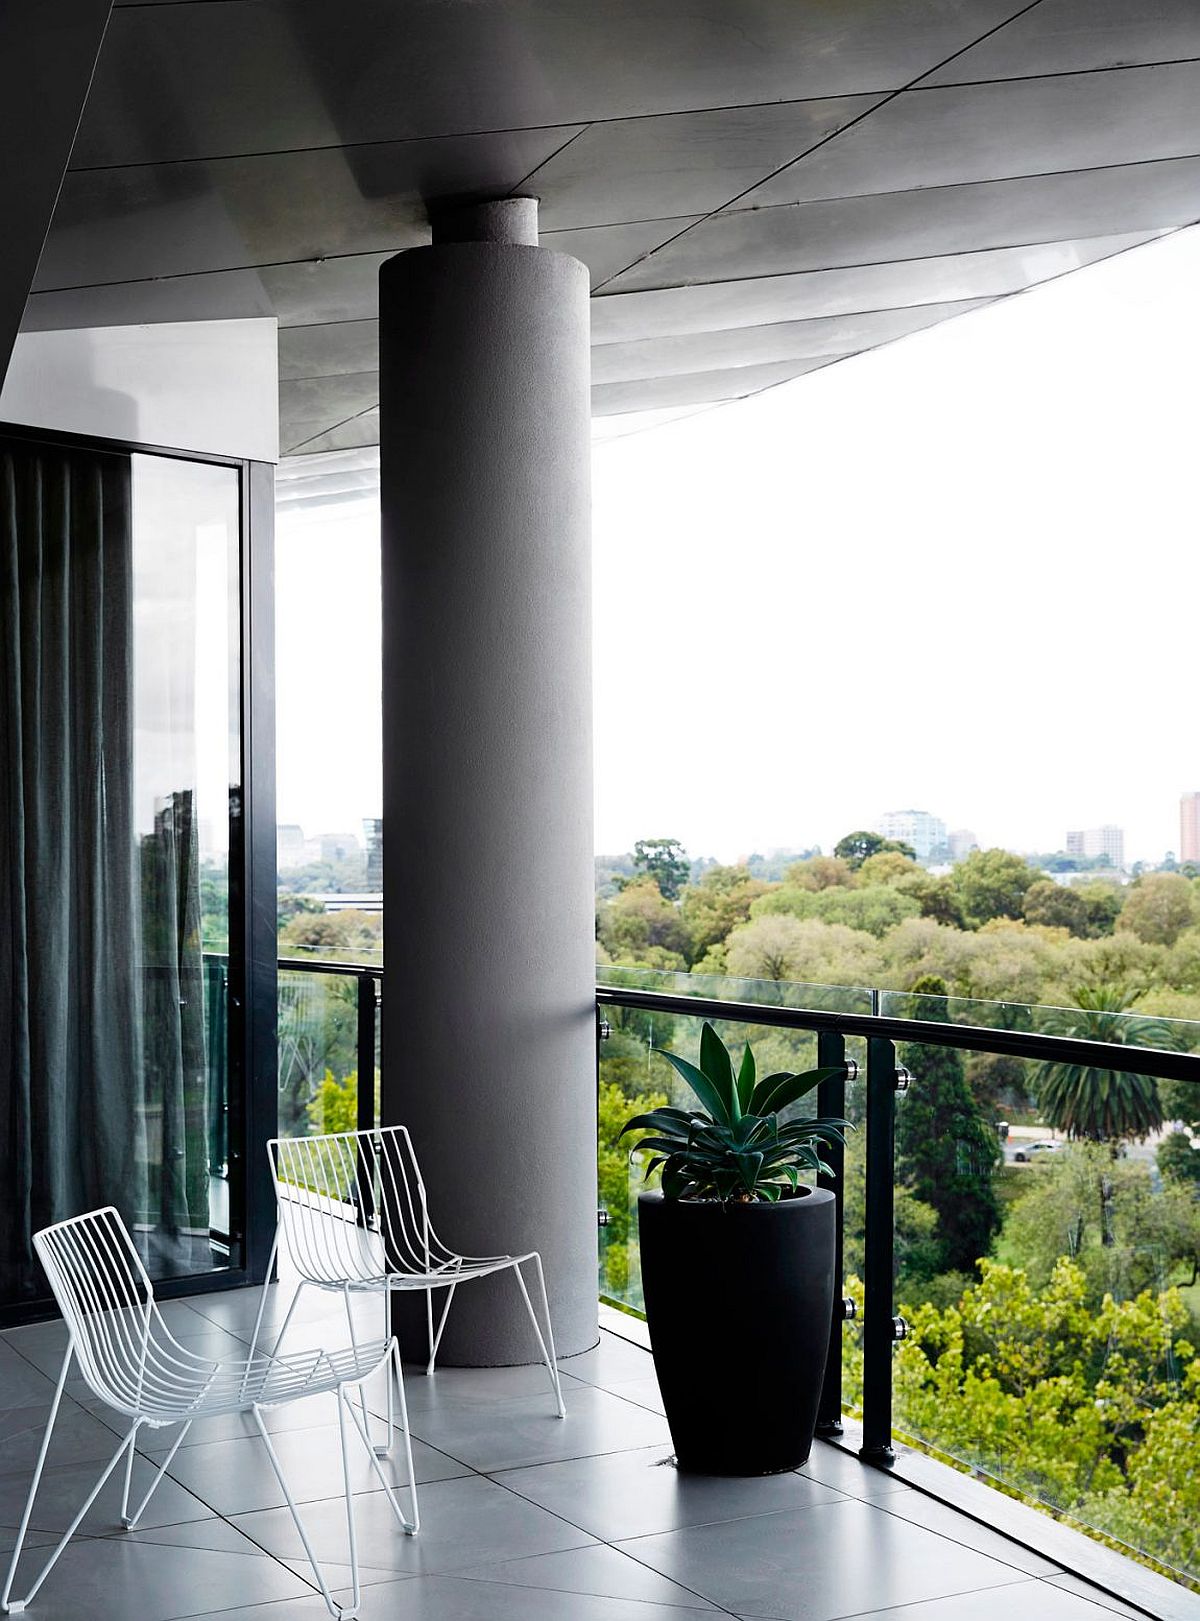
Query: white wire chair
column 354, row 1218
column 130, row 1359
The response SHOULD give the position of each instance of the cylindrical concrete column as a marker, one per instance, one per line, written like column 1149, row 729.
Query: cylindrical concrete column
column 488, row 1001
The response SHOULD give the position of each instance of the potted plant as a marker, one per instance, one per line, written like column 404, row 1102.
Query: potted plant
column 737, row 1259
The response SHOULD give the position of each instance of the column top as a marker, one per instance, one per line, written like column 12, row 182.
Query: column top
column 504, row 219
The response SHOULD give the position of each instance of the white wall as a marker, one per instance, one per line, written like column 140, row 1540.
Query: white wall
column 209, row 386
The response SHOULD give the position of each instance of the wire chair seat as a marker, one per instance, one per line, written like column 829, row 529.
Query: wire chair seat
column 129, row 1358
column 353, row 1216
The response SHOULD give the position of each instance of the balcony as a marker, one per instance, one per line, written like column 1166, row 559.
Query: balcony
column 526, row 1518
column 939, row 1482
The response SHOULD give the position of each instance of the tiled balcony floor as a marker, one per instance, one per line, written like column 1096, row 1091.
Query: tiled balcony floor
column 524, row 1517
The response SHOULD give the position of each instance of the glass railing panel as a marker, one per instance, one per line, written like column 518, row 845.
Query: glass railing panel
column 1049, row 1287
column 726, row 988
column 634, row 1078
column 318, row 1052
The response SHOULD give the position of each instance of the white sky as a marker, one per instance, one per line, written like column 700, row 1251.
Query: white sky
column 955, row 573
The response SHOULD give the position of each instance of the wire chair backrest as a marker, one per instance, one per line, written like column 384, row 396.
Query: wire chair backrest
column 352, row 1206
column 107, row 1301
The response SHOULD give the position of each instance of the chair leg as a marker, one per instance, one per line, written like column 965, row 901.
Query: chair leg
column 262, row 1295
column 351, row 1534
column 436, row 1339
column 547, row 1350
column 130, row 1520
column 410, row 1527
column 339, row 1612
column 381, row 1450
column 9, row 1605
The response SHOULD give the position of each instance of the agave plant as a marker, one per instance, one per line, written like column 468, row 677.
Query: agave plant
column 735, row 1147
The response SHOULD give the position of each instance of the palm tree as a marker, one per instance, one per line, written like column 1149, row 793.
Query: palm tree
column 1102, row 1104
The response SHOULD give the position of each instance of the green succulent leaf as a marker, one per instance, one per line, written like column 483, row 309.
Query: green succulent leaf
column 745, row 1080
column 700, row 1084
column 777, row 1092
column 718, row 1066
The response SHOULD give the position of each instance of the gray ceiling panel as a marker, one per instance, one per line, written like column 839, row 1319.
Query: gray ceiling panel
column 323, row 351
column 696, row 388
column 225, row 296
column 922, row 224
column 1071, row 36
column 995, row 131
column 617, row 317
column 687, row 163
column 787, row 340
column 166, row 219
column 307, row 408
column 358, row 431
column 607, row 249
column 201, row 80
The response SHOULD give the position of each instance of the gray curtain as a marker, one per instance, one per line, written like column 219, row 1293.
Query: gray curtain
column 70, row 997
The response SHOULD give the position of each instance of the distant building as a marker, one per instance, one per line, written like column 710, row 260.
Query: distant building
column 1189, row 827
column 291, row 850
column 373, row 833
column 961, row 842
column 337, row 846
column 925, row 833
column 1094, row 842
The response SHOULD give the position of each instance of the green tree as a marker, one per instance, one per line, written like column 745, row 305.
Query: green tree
column 1177, row 1160
column 1159, row 907
column 820, row 872
column 1100, row 1104
column 937, row 897
column 859, row 846
column 945, row 1150
column 1102, row 904
column 664, row 861
column 888, row 867
column 640, row 926
column 619, row 1183
column 992, row 884
column 719, row 900
column 1054, row 906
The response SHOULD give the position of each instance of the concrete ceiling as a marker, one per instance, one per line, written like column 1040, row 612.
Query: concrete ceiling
column 758, row 187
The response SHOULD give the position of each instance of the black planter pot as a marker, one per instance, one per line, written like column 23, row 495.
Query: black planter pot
column 739, row 1300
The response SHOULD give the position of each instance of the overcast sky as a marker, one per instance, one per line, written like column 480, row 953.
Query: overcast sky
column 956, row 573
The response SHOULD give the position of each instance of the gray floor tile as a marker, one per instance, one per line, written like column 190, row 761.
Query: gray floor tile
column 21, row 1384
column 1082, row 1589
column 215, row 1534
column 152, row 1582
column 206, row 1342
column 236, row 1477
column 511, row 1432
column 644, row 1392
column 63, row 1489
column 78, row 1437
column 453, row 1598
column 631, row 1494
column 598, row 1569
column 1039, row 1601
column 463, row 1523
column 920, row 1509
column 844, row 1472
column 611, row 1362
column 831, row 1560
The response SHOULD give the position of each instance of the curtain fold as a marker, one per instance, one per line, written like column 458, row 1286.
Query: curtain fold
column 70, row 994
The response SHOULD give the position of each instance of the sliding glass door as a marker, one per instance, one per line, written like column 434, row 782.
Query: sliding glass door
column 121, row 840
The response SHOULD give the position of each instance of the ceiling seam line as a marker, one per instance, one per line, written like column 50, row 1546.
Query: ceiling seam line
column 525, row 179
column 1061, row 73
column 886, row 101
column 914, row 259
column 333, row 428
column 620, row 225
column 770, row 275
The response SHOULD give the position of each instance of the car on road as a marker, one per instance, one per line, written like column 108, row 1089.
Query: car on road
column 1030, row 1152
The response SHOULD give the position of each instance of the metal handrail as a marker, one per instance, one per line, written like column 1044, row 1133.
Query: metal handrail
column 1111, row 1055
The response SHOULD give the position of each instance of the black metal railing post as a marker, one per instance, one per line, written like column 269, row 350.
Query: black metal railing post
column 831, row 1101
column 367, row 1005
column 878, row 1320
